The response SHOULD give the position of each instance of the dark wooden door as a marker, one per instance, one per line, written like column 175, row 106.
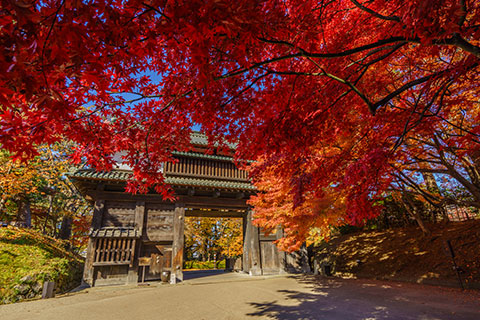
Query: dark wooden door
column 269, row 257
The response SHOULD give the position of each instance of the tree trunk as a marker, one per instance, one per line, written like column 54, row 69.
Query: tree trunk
column 24, row 214
column 66, row 228
column 50, row 206
column 438, row 210
column 55, row 230
column 431, row 183
column 412, row 210
column 475, row 159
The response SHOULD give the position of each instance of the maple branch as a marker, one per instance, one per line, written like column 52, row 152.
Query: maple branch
column 409, row 182
column 407, row 129
column 374, row 13
column 246, row 88
column 142, row 96
column 256, row 65
column 351, row 85
column 436, row 114
column 164, row 108
column 373, row 107
column 455, row 40
column 341, row 53
column 442, row 171
column 420, row 160
column 386, row 55
column 138, row 15
column 157, row 11
column 393, row 47
column 460, row 42
column 345, row 93
column 328, row 75
column 459, row 128
column 405, row 87
column 474, row 27
column 463, row 17
column 473, row 189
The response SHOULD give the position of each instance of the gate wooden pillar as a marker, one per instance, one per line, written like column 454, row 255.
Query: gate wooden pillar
column 132, row 277
column 251, row 246
column 245, row 262
column 281, row 254
column 96, row 224
column 178, row 241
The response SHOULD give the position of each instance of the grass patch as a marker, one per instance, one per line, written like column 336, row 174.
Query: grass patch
column 204, row 265
column 28, row 258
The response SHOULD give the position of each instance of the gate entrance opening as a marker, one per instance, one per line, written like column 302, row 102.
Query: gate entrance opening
column 213, row 243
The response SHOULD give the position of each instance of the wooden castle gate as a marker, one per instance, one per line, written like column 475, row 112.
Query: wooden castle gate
column 131, row 233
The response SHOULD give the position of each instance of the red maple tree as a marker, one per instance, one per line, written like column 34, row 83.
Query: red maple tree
column 324, row 91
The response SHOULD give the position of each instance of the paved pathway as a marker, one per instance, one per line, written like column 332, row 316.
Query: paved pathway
column 237, row 296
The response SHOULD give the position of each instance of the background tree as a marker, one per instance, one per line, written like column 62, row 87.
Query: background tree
column 199, row 237
column 208, row 239
column 38, row 194
column 230, row 241
column 18, row 183
column 277, row 204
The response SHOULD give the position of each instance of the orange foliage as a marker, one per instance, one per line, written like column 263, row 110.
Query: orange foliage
column 311, row 219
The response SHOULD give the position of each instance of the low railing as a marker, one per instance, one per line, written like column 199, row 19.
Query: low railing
column 111, row 251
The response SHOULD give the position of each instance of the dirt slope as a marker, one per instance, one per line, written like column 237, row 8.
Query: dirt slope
column 405, row 254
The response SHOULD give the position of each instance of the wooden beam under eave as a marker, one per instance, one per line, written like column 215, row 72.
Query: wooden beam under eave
column 211, row 202
column 189, row 201
column 214, row 213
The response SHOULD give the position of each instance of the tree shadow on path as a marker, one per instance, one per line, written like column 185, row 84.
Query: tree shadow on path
column 195, row 274
column 369, row 299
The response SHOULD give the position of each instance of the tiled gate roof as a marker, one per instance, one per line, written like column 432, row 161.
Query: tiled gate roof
column 122, row 175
